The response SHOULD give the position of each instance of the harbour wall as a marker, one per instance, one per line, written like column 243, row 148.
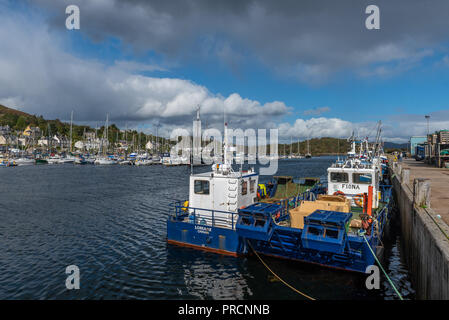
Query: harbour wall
column 424, row 236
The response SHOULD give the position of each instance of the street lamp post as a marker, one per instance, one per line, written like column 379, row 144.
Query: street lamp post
column 428, row 142
column 427, row 118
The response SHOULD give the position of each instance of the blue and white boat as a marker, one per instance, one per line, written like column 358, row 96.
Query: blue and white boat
column 341, row 228
column 208, row 219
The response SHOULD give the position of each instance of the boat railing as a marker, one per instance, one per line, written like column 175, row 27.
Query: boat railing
column 205, row 217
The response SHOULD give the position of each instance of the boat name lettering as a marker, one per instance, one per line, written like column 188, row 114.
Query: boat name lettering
column 350, row 186
column 201, row 229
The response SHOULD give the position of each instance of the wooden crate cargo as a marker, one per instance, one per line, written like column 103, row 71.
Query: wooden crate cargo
column 329, row 203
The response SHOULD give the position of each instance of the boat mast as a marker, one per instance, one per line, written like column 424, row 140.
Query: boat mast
column 96, row 137
column 291, row 146
column 106, row 131
column 71, row 121
column 157, row 138
column 48, row 138
column 308, row 146
column 225, row 146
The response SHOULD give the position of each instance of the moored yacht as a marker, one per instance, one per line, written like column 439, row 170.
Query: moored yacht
column 104, row 161
column 54, row 159
column 24, row 161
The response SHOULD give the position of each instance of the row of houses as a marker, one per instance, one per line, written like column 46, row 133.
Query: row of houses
column 13, row 140
column 33, row 136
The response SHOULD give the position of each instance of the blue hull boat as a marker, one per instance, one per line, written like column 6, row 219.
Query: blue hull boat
column 338, row 226
column 326, row 238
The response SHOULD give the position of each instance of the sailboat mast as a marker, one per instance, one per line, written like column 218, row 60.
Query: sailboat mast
column 71, row 121
column 291, row 146
column 106, row 130
column 48, row 139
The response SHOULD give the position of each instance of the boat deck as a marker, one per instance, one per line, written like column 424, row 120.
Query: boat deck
column 356, row 211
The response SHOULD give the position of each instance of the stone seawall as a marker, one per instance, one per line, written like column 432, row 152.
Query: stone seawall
column 424, row 236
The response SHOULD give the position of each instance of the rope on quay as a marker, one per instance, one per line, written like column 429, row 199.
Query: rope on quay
column 266, row 266
column 378, row 262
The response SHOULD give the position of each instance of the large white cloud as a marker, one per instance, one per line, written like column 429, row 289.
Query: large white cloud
column 39, row 76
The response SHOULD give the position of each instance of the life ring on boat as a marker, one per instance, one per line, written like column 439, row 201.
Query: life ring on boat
column 339, row 193
column 185, row 205
column 358, row 199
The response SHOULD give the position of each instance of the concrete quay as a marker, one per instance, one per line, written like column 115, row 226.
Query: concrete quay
column 422, row 195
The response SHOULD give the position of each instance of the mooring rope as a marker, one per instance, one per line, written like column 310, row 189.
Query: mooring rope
column 288, row 285
column 380, row 265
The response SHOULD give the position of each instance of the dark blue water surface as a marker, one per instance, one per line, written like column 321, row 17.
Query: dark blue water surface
column 111, row 222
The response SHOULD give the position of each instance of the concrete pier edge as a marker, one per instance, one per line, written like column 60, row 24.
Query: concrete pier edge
column 424, row 236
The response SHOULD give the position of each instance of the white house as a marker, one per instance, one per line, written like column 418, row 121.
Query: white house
column 79, row 145
column 6, row 139
column 149, row 145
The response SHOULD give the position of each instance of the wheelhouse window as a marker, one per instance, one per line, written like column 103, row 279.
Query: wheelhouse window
column 252, row 184
column 201, row 187
column 363, row 178
column 339, row 177
column 244, row 187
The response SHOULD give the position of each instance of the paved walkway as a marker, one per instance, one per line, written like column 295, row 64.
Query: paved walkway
column 439, row 184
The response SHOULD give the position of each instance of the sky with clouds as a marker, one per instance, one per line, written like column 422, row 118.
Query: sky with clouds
column 309, row 68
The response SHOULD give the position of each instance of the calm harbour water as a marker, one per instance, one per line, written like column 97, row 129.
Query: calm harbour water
column 111, row 222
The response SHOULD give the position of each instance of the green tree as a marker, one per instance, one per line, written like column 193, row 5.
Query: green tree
column 21, row 123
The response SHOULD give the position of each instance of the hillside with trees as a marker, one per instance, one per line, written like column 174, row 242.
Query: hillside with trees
column 318, row 146
column 18, row 121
